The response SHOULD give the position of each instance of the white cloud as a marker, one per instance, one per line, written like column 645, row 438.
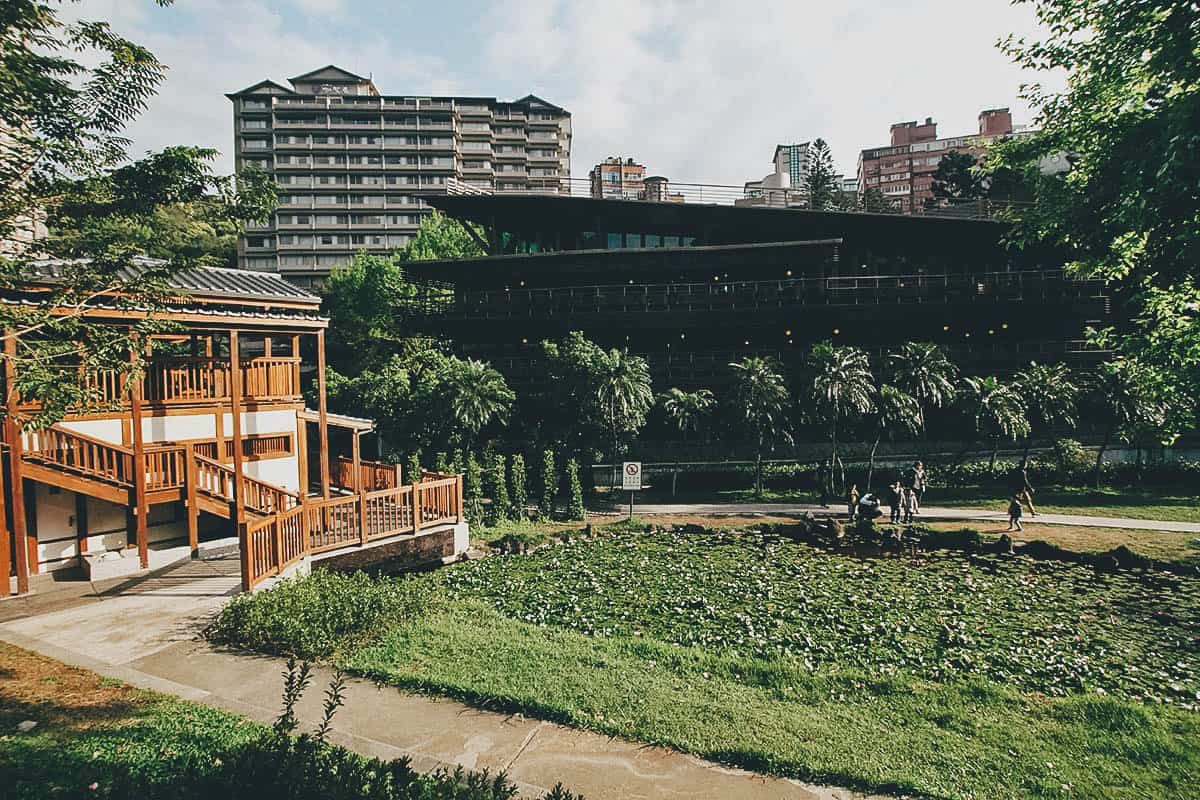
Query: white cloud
column 703, row 91
column 698, row 90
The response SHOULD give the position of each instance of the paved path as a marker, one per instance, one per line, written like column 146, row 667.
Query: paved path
column 146, row 634
column 928, row 514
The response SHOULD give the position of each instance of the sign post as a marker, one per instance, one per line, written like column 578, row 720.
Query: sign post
column 631, row 480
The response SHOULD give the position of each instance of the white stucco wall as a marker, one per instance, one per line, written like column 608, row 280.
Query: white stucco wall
column 107, row 429
column 279, row 471
column 57, row 526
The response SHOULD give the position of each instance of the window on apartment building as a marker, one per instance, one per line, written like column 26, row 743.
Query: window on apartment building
column 254, row 144
column 262, row 264
column 366, row 219
column 398, row 240
column 256, row 105
column 296, row 261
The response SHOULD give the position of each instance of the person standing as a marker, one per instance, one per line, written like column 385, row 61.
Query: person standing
column 1014, row 513
column 852, row 500
column 909, row 504
column 919, row 481
column 824, row 474
column 895, row 499
column 1019, row 486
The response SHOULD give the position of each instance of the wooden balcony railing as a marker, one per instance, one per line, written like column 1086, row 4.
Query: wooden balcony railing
column 216, row 479
column 79, row 453
column 179, row 381
column 375, row 474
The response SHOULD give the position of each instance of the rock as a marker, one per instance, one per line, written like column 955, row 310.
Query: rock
column 473, row 554
column 1005, row 544
column 26, row 726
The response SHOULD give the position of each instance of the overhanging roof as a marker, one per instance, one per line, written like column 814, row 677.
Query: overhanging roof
column 358, row 424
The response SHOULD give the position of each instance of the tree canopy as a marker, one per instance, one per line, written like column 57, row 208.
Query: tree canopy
column 1113, row 171
column 822, row 183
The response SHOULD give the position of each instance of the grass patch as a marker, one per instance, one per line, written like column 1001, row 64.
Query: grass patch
column 1123, row 503
column 98, row 738
column 1183, row 548
column 949, row 675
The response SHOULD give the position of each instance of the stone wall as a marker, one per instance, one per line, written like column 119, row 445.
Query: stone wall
column 435, row 546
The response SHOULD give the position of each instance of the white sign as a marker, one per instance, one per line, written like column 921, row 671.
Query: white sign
column 631, row 476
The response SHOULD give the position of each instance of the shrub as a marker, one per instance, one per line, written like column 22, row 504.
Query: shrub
column 1071, row 458
column 473, row 489
column 310, row 617
column 518, row 490
column 549, row 485
column 575, row 509
column 497, row 487
column 441, row 463
column 412, row 468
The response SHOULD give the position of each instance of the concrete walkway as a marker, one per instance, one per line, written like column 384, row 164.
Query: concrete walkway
column 146, row 633
column 928, row 514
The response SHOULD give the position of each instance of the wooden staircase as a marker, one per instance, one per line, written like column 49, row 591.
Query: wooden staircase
column 80, row 463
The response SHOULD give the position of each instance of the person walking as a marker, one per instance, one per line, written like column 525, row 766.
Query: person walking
column 919, row 481
column 1019, row 486
column 824, row 474
column 1014, row 513
column 908, row 504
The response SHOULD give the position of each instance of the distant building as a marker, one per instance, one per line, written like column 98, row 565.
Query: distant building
column 21, row 233
column 658, row 189
column 619, row 179
column 354, row 166
column 786, row 185
column 903, row 171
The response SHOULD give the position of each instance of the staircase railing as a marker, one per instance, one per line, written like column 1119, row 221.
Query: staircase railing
column 217, row 480
column 78, row 452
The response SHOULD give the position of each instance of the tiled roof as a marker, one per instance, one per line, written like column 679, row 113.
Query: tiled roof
column 216, row 282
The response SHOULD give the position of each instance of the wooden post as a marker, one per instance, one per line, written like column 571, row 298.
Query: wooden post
column 458, row 493
column 81, row 524
column 239, row 496
column 235, row 404
column 416, row 506
column 357, row 480
column 302, row 458
column 6, row 563
column 141, row 509
column 322, row 414
column 193, row 509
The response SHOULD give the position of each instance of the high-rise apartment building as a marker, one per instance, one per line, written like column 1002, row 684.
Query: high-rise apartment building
column 787, row 185
column 619, row 179
column 903, row 171
column 354, row 165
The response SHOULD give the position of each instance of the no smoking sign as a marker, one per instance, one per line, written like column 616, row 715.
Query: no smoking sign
column 631, row 476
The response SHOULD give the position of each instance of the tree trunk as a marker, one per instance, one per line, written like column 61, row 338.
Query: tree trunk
column 871, row 462
column 758, row 469
column 1100, row 455
column 833, row 458
column 995, row 449
column 1028, row 443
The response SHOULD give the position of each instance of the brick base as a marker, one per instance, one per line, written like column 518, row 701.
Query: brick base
column 395, row 556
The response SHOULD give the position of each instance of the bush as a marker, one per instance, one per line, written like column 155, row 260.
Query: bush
column 473, row 489
column 549, row 485
column 311, row 617
column 412, row 468
column 441, row 463
column 575, row 509
column 518, row 489
column 497, row 487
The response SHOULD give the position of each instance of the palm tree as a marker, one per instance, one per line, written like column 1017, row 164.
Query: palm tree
column 1125, row 395
column 1050, row 395
column 895, row 410
column 476, row 396
column 997, row 410
column 758, row 403
column 923, row 370
column 842, row 387
column 624, row 391
column 685, row 410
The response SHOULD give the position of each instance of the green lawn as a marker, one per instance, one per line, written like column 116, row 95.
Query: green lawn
column 98, row 738
column 949, row 676
column 1172, row 506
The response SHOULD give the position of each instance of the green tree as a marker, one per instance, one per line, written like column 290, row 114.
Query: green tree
column 575, row 509
column 412, row 469
column 364, row 301
column 841, row 388
column 473, row 488
column 67, row 92
column 686, row 410
column 1127, row 397
column 549, row 485
column 872, row 201
column 475, row 394
column 758, row 405
column 1050, row 394
column 568, row 408
column 519, row 486
column 497, row 486
column 996, row 410
column 624, row 393
column 956, row 179
column 895, row 411
column 924, row 371
column 1111, row 169
column 441, row 237
column 821, row 181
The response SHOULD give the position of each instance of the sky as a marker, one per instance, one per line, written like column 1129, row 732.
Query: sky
column 698, row 90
